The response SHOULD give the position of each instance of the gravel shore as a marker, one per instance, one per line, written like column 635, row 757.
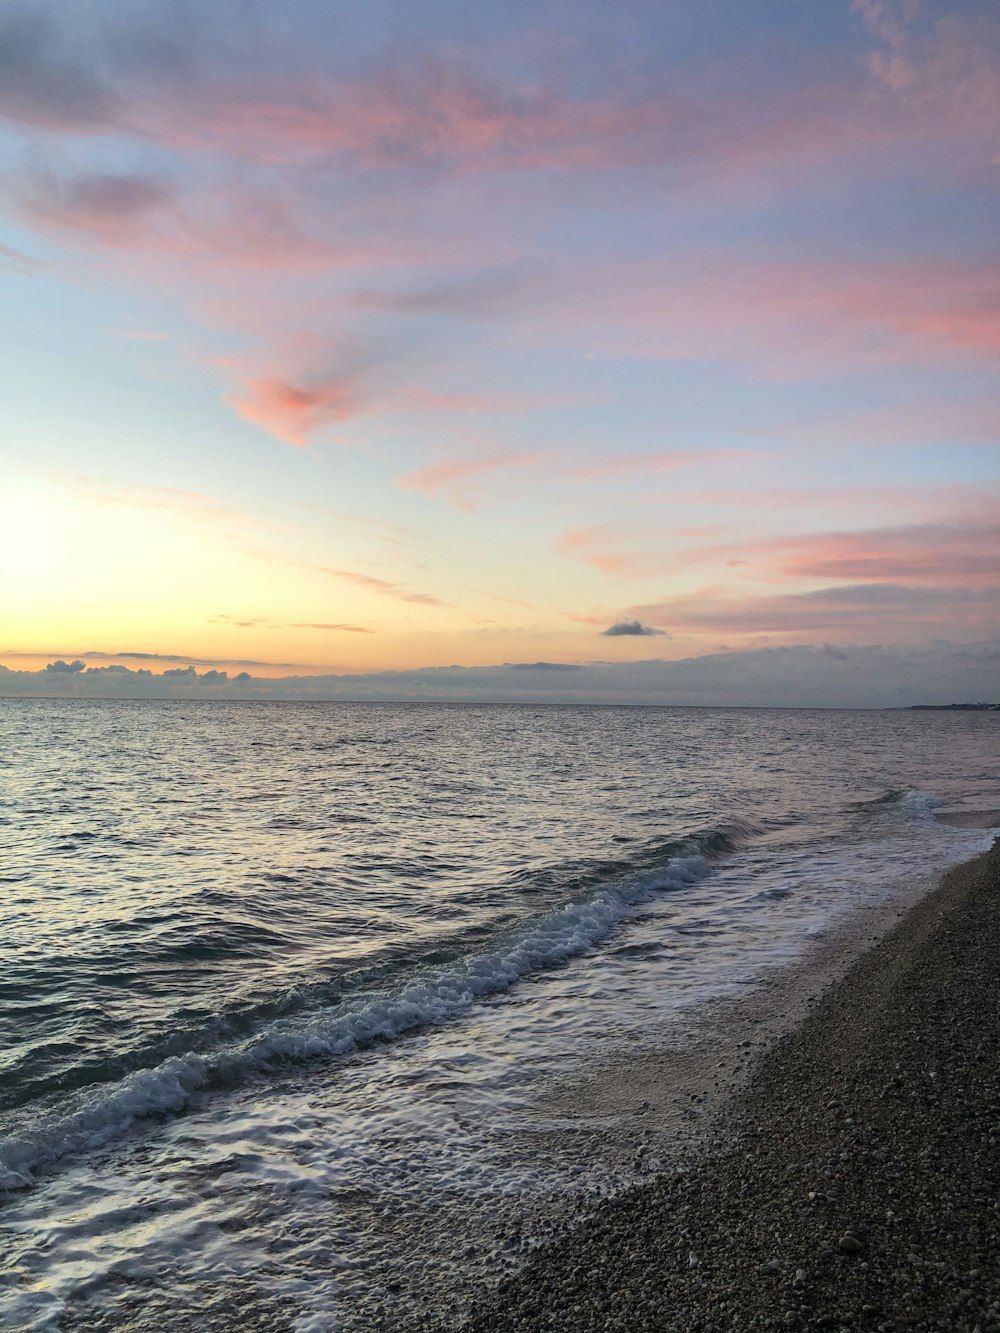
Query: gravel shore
column 856, row 1182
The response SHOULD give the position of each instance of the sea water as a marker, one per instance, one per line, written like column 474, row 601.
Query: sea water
column 285, row 987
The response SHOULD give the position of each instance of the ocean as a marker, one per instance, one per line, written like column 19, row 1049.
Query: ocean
column 295, row 996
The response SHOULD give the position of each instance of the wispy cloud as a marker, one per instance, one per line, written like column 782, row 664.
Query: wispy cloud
column 594, row 546
column 261, row 623
column 921, row 554
column 449, row 478
column 370, row 168
column 844, row 610
column 311, row 624
column 967, row 419
column 115, row 208
column 963, row 553
column 448, row 112
column 785, row 319
column 15, row 261
column 399, row 592
column 956, row 540
column 180, row 507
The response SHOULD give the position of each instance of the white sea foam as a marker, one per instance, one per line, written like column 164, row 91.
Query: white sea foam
column 920, row 804
column 330, row 1033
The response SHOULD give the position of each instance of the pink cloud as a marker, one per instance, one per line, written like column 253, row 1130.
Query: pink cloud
column 384, row 587
column 786, row 318
column 961, row 420
column 283, row 172
column 447, row 478
column 245, row 225
column 948, row 70
column 925, row 98
column 965, row 551
column 927, row 554
column 348, row 629
column 294, row 407
column 962, row 553
column 590, row 545
column 203, row 231
column 122, row 210
column 448, row 113
column 257, row 623
column 760, row 505
column 938, row 553
column 840, row 612
column 436, row 113
column 293, row 412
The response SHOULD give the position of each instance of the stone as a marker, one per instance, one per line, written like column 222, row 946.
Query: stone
column 849, row 1244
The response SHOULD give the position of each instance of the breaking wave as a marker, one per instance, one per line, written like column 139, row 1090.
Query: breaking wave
column 434, row 996
column 910, row 800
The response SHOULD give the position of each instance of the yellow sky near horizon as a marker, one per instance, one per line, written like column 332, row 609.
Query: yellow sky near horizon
column 168, row 575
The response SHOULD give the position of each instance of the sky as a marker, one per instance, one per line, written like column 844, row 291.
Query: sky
column 643, row 351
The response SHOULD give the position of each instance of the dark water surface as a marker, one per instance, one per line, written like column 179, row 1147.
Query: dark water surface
column 279, row 980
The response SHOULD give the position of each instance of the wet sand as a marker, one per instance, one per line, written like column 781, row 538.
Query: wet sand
column 852, row 1183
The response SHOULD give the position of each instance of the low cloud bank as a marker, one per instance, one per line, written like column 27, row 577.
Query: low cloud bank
column 864, row 676
column 629, row 628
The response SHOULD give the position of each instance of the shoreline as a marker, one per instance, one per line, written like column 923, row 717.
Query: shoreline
column 846, row 1180
column 684, row 1087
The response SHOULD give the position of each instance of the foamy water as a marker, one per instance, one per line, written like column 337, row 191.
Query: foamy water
column 283, row 984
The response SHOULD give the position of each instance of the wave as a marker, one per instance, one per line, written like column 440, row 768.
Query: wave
column 910, row 800
column 919, row 804
column 35, row 1078
column 435, row 996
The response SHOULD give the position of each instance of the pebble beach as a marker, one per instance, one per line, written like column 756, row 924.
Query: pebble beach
column 853, row 1182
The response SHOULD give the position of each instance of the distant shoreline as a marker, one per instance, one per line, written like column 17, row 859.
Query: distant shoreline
column 960, row 708
column 529, row 701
